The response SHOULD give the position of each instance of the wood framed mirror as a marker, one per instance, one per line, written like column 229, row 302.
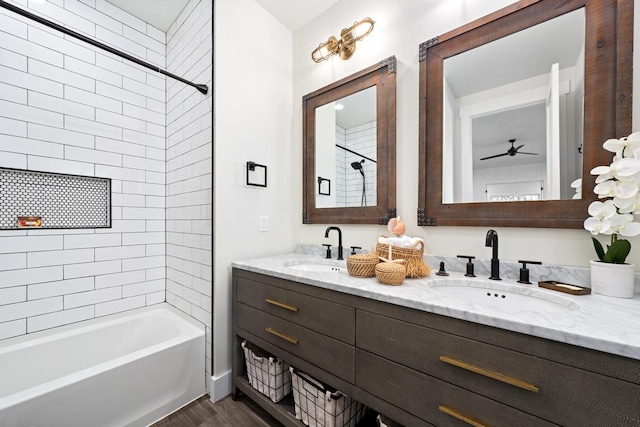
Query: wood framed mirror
column 349, row 141
column 603, row 88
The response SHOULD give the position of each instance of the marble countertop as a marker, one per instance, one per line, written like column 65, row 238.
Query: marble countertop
column 593, row 321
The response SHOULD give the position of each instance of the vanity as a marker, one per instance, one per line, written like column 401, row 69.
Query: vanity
column 420, row 355
column 425, row 358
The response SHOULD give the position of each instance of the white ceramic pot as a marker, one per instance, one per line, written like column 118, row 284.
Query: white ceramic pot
column 614, row 280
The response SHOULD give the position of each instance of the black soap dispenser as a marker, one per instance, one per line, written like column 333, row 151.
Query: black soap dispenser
column 442, row 271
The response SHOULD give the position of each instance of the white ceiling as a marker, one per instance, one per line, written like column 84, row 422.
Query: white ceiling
column 504, row 60
column 159, row 13
column 293, row 14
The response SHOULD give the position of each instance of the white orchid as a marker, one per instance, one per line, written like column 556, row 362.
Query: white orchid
column 623, row 147
column 622, row 169
column 620, row 184
column 577, row 185
column 600, row 215
column 623, row 224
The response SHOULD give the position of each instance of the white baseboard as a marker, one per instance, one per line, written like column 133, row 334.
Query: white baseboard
column 220, row 386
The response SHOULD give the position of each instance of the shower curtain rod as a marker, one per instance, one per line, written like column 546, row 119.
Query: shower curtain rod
column 202, row 88
column 355, row 152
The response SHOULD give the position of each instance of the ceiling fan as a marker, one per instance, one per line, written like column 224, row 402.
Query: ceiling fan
column 512, row 151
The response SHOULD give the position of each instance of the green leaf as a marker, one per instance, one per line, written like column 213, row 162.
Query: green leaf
column 598, row 247
column 617, row 252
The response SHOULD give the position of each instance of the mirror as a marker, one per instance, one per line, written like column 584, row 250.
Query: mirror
column 513, row 133
column 579, row 99
column 346, row 150
column 349, row 149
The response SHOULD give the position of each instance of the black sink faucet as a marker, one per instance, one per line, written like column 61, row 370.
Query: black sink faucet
column 326, row 235
column 492, row 241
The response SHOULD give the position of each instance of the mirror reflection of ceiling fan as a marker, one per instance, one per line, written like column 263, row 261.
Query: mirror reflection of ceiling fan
column 512, row 151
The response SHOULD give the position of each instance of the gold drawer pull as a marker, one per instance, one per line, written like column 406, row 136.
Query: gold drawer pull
column 487, row 373
column 282, row 305
column 459, row 415
column 283, row 336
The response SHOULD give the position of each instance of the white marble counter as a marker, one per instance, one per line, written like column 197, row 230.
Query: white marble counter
column 601, row 323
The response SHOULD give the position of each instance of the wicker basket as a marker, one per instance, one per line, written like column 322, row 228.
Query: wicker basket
column 391, row 273
column 413, row 257
column 362, row 265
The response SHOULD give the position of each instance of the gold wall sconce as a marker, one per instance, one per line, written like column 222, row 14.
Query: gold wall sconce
column 346, row 45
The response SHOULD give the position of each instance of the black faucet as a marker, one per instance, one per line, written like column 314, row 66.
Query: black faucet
column 326, row 235
column 492, row 241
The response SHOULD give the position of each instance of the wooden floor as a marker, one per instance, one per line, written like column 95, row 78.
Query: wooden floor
column 224, row 413
column 228, row 413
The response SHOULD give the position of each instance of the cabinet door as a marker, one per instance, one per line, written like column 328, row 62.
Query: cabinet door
column 559, row 393
column 325, row 352
column 433, row 400
column 327, row 317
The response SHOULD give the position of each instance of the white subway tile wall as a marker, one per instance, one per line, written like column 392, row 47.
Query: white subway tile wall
column 362, row 140
column 189, row 165
column 68, row 107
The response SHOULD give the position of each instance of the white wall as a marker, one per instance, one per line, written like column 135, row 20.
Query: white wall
column 189, row 165
column 327, row 135
column 67, row 107
column 253, row 120
column 508, row 174
column 400, row 28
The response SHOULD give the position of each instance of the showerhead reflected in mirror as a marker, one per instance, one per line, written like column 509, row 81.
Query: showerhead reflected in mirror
column 346, row 134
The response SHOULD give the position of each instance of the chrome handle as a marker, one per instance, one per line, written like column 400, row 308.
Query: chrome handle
column 491, row 374
column 282, row 305
column 459, row 415
column 281, row 335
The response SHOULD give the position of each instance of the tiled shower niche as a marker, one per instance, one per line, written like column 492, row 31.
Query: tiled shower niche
column 62, row 201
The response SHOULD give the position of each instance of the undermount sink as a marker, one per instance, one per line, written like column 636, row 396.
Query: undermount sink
column 318, row 266
column 507, row 297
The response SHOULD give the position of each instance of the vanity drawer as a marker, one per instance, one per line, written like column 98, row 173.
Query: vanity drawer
column 327, row 317
column 325, row 352
column 559, row 393
column 433, row 400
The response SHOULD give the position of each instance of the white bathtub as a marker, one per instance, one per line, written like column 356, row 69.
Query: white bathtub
column 129, row 369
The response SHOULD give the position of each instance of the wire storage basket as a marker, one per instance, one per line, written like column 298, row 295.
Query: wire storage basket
column 269, row 375
column 384, row 421
column 316, row 405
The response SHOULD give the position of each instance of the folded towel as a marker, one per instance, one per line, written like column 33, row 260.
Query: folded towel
column 401, row 242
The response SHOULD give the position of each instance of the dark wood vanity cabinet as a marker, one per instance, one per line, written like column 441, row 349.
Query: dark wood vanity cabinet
column 467, row 368
column 425, row 369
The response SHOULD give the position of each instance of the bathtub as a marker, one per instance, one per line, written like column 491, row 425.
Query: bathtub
column 128, row 369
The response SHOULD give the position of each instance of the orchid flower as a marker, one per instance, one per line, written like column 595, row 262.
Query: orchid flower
column 623, row 147
column 623, row 224
column 600, row 214
column 577, row 184
column 619, row 183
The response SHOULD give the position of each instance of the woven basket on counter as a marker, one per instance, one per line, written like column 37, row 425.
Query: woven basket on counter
column 391, row 273
column 362, row 265
column 413, row 257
